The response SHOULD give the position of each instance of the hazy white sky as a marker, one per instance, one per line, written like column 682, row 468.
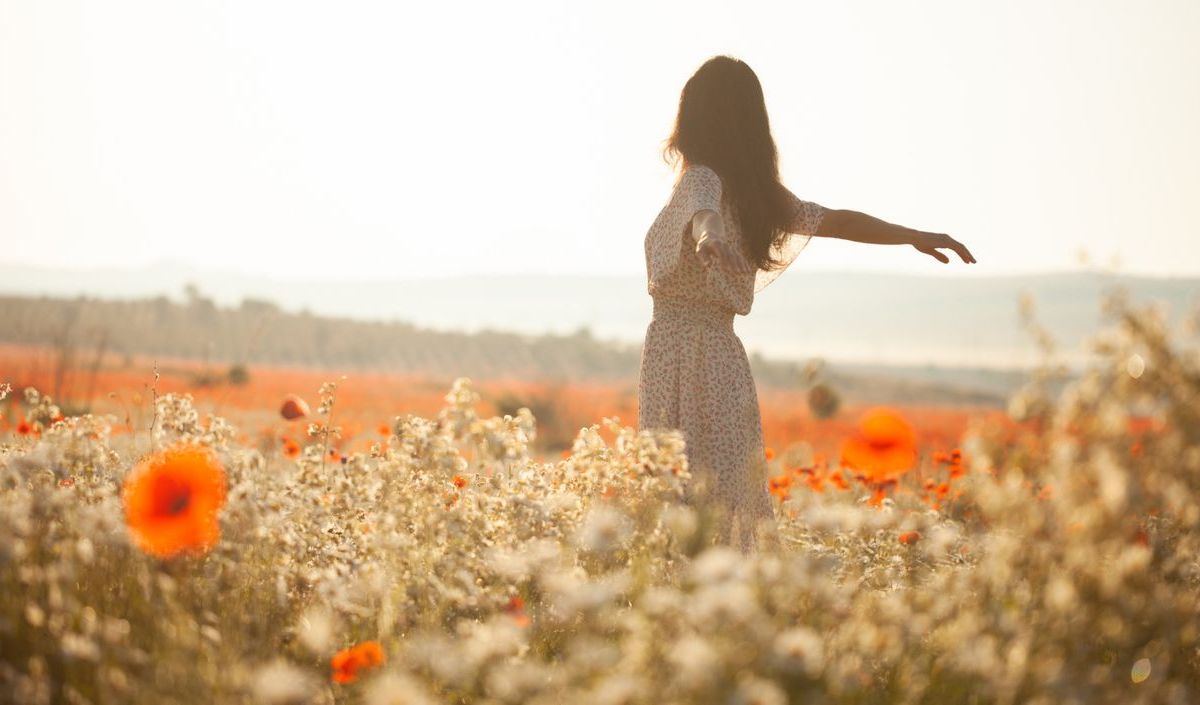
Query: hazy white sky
column 375, row 139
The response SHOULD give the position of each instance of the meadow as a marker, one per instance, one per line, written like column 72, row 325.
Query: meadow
column 399, row 542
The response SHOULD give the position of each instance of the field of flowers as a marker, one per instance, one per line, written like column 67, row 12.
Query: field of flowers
column 1053, row 559
column 121, row 385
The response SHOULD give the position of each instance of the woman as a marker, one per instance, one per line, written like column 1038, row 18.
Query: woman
column 729, row 229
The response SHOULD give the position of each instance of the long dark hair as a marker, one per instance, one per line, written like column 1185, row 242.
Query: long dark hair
column 722, row 123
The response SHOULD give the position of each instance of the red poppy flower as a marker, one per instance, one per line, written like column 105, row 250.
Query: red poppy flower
column 349, row 663
column 293, row 408
column 171, row 501
column 884, row 446
column 780, row 486
column 516, row 609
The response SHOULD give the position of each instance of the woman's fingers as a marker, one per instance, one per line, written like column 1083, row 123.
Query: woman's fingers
column 934, row 254
column 942, row 240
column 722, row 255
column 959, row 248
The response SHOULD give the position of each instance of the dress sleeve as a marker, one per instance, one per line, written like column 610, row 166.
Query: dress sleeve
column 802, row 225
column 700, row 189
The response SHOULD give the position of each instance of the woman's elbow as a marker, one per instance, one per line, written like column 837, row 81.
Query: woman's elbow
column 834, row 222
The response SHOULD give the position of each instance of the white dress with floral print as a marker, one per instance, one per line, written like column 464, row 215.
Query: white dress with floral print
column 695, row 375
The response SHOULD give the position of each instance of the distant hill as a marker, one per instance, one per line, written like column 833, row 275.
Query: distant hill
column 847, row 317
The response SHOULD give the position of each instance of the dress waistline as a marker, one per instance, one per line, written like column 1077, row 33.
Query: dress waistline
column 666, row 307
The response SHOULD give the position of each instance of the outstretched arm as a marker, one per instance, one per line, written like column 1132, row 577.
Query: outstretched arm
column 860, row 227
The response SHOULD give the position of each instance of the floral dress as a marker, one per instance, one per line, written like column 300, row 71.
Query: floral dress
column 695, row 375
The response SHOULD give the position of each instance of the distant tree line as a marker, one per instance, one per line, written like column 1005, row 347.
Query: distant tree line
column 258, row 332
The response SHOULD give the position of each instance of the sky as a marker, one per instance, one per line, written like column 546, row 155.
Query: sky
column 370, row 140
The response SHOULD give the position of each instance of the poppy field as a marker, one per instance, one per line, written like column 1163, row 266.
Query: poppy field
column 369, row 401
column 313, row 543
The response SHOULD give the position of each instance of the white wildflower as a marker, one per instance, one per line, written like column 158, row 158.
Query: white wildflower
column 800, row 649
column 395, row 688
column 80, row 647
column 758, row 691
column 680, row 521
column 517, row 681
column 729, row 602
column 619, row 689
column 697, row 664
column 604, row 529
column 938, row 539
column 1060, row 594
column 280, row 683
column 315, row 629
column 717, row 564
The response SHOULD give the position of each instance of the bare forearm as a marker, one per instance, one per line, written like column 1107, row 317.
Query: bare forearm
column 860, row 227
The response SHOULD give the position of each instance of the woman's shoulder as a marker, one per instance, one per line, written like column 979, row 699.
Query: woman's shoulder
column 700, row 173
column 699, row 179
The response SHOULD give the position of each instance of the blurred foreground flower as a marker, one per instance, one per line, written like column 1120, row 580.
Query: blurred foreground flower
column 348, row 663
column 171, row 501
column 884, row 446
column 280, row 683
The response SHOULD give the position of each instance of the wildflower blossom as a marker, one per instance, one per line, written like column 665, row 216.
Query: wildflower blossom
column 396, row 689
column 293, row 408
column 800, row 649
column 171, row 501
column 279, row 683
column 515, row 607
column 884, row 446
column 315, row 629
column 349, row 663
column 780, row 486
column 603, row 529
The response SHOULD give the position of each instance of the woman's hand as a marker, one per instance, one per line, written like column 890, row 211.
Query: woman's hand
column 717, row 252
column 930, row 242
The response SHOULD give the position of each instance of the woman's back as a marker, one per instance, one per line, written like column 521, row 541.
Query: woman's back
column 672, row 267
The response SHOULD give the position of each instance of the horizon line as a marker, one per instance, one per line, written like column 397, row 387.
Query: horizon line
column 959, row 273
